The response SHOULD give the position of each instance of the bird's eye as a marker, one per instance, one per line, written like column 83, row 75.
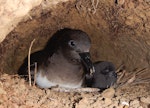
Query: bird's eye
column 72, row 43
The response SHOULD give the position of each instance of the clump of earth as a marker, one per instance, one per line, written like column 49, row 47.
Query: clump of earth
column 16, row 93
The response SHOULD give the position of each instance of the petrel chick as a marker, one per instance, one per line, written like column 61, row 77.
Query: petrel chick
column 63, row 60
column 104, row 76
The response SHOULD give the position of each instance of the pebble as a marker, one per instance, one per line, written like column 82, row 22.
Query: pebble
column 121, row 2
column 145, row 100
column 135, row 103
column 126, row 106
column 108, row 93
column 107, row 101
column 125, row 103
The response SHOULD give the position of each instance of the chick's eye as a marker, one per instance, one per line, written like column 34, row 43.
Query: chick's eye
column 72, row 43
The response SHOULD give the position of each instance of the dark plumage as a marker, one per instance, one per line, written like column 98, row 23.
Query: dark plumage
column 104, row 76
column 62, row 61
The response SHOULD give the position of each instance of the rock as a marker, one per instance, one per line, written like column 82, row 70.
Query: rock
column 121, row 2
column 126, row 106
column 131, row 5
column 125, row 103
column 135, row 103
column 107, row 101
column 129, row 22
column 145, row 100
column 142, row 15
column 108, row 93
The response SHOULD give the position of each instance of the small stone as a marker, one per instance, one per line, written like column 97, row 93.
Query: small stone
column 121, row 2
column 131, row 5
column 142, row 15
column 108, row 93
column 145, row 100
column 126, row 106
column 129, row 22
column 107, row 101
column 135, row 103
column 137, row 20
column 125, row 103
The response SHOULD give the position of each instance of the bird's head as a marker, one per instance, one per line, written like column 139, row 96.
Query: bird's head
column 76, row 45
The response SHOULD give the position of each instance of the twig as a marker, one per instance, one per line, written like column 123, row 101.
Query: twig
column 29, row 73
column 121, row 67
column 29, row 16
column 35, row 71
column 137, row 72
column 141, row 80
column 135, row 82
column 121, row 76
column 131, row 79
column 141, row 71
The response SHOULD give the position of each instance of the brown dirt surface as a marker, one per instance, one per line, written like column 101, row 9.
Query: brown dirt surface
column 117, row 30
column 16, row 93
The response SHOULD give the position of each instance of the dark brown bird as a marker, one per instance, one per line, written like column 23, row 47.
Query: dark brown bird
column 63, row 60
column 104, row 76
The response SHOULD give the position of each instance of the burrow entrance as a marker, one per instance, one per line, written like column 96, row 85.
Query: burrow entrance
column 120, row 33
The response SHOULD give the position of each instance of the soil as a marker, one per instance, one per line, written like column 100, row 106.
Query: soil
column 16, row 93
column 120, row 33
column 117, row 30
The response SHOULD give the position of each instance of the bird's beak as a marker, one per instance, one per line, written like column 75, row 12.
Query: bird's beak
column 85, row 58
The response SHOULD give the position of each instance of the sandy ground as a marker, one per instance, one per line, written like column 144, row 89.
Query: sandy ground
column 16, row 93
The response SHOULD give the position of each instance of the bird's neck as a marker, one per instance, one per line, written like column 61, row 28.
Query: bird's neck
column 60, row 61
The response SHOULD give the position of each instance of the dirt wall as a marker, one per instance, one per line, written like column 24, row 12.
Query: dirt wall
column 119, row 31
